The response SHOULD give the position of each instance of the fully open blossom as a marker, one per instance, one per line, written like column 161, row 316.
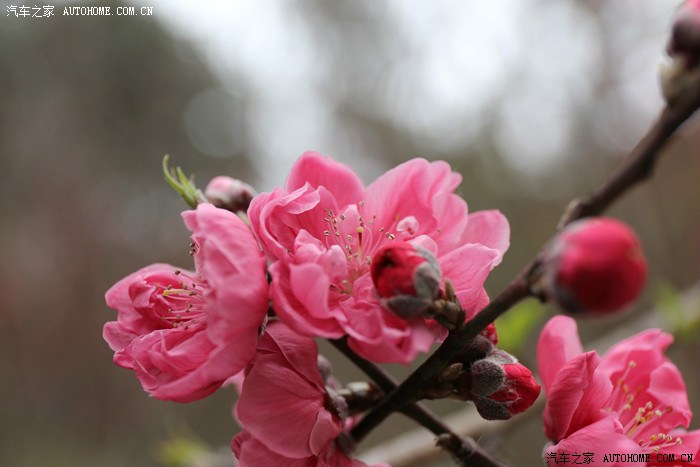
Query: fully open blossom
column 632, row 401
column 290, row 417
column 184, row 333
column 321, row 231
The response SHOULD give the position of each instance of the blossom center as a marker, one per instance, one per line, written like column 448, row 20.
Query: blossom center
column 184, row 300
column 360, row 236
column 638, row 417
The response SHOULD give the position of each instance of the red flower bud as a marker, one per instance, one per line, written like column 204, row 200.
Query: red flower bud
column 407, row 278
column 499, row 386
column 594, row 265
column 229, row 193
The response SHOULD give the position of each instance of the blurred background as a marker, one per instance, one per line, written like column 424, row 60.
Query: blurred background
column 533, row 102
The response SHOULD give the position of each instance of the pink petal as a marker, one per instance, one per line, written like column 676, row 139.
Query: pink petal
column 179, row 366
column 300, row 351
column 568, row 391
column 117, row 338
column 252, row 453
column 558, row 343
column 666, row 385
column 230, row 260
column 321, row 171
column 279, row 405
column 276, row 217
column 119, row 297
column 601, row 438
column 488, row 228
column 646, row 349
column 300, row 298
column 424, row 191
column 467, row 267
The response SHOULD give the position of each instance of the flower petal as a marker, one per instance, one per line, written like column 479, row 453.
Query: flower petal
column 424, row 191
column 488, row 228
column 467, row 267
column 601, row 438
column 322, row 171
column 567, row 392
column 558, row 343
column 252, row 453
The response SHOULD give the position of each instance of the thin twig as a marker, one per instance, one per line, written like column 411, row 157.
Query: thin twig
column 638, row 166
column 466, row 451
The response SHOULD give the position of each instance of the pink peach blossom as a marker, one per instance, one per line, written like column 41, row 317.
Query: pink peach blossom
column 631, row 401
column 321, row 231
column 184, row 333
column 290, row 417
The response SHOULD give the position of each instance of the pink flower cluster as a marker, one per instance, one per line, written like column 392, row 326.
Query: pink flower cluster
column 184, row 333
column 321, row 231
column 630, row 402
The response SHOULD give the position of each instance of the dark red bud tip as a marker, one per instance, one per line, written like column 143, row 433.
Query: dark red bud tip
column 594, row 265
column 407, row 278
column 229, row 193
column 520, row 389
column 500, row 386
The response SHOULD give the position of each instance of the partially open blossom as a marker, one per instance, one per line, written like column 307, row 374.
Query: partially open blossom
column 323, row 229
column 499, row 386
column 290, row 417
column 229, row 193
column 407, row 278
column 184, row 333
column 631, row 401
column 594, row 265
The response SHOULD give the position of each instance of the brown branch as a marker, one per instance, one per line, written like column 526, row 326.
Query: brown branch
column 638, row 166
column 465, row 451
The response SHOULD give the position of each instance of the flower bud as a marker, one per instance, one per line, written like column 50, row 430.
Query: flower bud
column 229, row 193
column 594, row 265
column 685, row 34
column 407, row 279
column 499, row 386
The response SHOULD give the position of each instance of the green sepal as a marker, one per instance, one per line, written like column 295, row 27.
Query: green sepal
column 183, row 185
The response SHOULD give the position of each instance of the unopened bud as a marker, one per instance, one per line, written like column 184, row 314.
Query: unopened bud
column 680, row 76
column 407, row 279
column 229, row 193
column 499, row 386
column 594, row 265
column 685, row 34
